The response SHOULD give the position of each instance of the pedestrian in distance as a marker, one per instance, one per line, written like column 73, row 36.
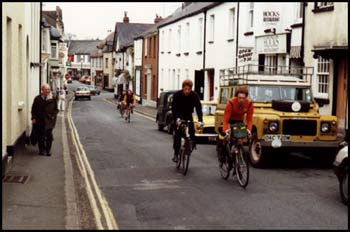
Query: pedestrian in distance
column 184, row 101
column 61, row 99
column 44, row 115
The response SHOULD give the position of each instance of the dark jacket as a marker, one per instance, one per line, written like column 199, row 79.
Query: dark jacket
column 45, row 112
column 182, row 106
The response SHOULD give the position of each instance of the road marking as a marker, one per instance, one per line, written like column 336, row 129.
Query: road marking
column 71, row 205
column 88, row 175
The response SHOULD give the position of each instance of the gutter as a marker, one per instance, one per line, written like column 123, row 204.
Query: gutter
column 204, row 39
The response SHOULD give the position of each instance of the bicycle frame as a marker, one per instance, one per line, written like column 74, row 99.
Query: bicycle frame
column 186, row 148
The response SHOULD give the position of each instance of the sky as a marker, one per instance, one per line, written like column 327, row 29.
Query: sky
column 91, row 20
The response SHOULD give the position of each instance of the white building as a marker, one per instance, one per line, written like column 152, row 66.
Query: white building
column 181, row 48
column 329, row 55
column 138, row 45
column 20, row 72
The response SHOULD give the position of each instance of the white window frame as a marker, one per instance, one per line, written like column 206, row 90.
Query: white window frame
column 162, row 43
column 211, row 28
column 54, row 55
column 200, row 33
column 251, row 15
column 322, row 78
column 187, row 41
column 232, row 23
column 169, row 40
column 179, row 38
column 271, row 63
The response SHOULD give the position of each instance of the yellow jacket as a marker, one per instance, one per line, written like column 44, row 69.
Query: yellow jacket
column 129, row 99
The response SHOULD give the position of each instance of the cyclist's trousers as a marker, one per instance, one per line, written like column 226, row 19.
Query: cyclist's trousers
column 177, row 137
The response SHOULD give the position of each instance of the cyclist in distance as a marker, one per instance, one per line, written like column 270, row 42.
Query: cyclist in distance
column 129, row 102
column 236, row 108
column 121, row 99
column 183, row 103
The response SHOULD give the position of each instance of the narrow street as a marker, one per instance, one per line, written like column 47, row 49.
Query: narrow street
column 132, row 166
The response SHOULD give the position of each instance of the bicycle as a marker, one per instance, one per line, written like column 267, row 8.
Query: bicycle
column 231, row 155
column 186, row 148
column 129, row 112
column 121, row 109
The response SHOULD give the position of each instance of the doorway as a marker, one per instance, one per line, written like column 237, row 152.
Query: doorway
column 199, row 83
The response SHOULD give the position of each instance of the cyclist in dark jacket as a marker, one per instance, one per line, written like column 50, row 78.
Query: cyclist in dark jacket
column 182, row 108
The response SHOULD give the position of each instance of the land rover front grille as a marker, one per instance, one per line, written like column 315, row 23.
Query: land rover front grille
column 299, row 127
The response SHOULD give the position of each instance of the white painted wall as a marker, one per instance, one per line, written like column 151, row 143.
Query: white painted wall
column 20, row 82
column 168, row 61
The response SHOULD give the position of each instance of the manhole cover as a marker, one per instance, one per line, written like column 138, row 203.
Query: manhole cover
column 15, row 179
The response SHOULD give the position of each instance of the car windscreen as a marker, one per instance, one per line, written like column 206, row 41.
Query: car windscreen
column 206, row 110
column 269, row 93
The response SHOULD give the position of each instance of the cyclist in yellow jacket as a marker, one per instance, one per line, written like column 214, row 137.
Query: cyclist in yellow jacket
column 129, row 102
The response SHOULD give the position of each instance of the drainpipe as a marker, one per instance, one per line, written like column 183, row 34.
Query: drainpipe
column 237, row 37
column 302, row 36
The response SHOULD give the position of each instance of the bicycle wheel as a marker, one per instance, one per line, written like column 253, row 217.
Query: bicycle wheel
column 129, row 115
column 225, row 164
column 242, row 168
column 185, row 162
column 179, row 158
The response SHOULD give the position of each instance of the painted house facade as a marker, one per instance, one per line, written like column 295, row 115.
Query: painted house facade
column 181, row 48
column 329, row 55
column 123, row 53
column 20, row 72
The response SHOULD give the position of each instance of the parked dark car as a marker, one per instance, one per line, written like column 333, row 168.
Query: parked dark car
column 164, row 115
column 94, row 90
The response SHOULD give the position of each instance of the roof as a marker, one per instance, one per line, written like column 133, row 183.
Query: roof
column 50, row 17
column 190, row 10
column 82, row 46
column 127, row 31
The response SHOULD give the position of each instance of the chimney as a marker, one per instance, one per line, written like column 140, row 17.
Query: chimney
column 126, row 18
column 157, row 19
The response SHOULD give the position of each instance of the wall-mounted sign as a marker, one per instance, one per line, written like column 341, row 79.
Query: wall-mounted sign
column 271, row 44
column 245, row 54
column 271, row 16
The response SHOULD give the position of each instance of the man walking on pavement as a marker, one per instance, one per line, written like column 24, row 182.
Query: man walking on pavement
column 44, row 114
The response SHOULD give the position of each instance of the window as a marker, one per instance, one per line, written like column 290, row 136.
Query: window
column 154, row 47
column 187, row 41
column 323, row 77
column 271, row 63
column 162, row 43
column 169, row 40
column 211, row 28
column 150, row 47
column 178, row 79
column 44, row 40
column 146, row 45
column 200, row 31
column 106, row 66
column 232, row 23
column 179, row 39
column 187, row 74
column 323, row 6
column 300, row 10
column 224, row 96
column 54, row 50
column 251, row 15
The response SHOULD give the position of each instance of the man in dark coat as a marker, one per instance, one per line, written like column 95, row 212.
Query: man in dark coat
column 184, row 101
column 44, row 114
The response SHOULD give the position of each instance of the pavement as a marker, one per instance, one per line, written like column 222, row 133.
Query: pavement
column 46, row 200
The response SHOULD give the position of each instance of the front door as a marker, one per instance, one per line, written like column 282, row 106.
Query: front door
column 342, row 90
column 199, row 83
column 149, row 84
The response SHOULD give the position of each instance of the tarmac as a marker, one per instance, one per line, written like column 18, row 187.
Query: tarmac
column 46, row 200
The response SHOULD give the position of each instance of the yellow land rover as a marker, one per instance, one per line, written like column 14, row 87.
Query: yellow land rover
column 285, row 113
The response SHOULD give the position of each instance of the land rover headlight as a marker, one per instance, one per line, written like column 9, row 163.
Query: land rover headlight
column 273, row 126
column 325, row 127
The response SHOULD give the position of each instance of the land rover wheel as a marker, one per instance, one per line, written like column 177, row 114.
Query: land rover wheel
column 258, row 155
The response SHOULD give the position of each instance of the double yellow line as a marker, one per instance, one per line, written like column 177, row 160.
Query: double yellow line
column 97, row 201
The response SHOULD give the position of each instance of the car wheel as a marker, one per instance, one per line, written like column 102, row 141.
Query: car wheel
column 343, row 184
column 258, row 155
column 160, row 127
column 90, row 98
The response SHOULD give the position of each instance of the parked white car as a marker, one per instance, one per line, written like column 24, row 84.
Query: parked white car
column 341, row 169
